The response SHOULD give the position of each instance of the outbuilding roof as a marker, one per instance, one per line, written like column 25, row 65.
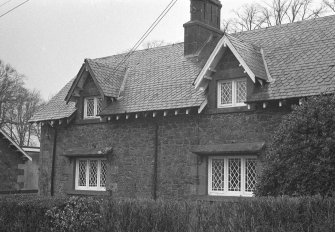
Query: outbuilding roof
column 300, row 58
column 5, row 136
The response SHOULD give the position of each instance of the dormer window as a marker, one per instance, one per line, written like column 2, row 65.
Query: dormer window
column 232, row 93
column 92, row 107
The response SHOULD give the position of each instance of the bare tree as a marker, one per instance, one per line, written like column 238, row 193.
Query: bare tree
column 229, row 25
column 17, row 106
column 249, row 17
column 277, row 12
column 10, row 82
column 154, row 43
column 330, row 4
column 19, row 114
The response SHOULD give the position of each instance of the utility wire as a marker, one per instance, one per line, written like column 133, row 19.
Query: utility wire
column 5, row 3
column 146, row 34
column 14, row 8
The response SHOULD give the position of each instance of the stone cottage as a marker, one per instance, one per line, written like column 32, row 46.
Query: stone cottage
column 13, row 162
column 187, row 120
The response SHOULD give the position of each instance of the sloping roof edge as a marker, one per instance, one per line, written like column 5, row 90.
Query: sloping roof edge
column 224, row 42
column 15, row 144
column 74, row 84
column 85, row 66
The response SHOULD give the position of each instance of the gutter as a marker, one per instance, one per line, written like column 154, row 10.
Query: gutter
column 53, row 163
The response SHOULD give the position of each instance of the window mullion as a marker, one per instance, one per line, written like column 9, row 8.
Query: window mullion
column 85, row 107
column 210, row 183
column 87, row 173
column 242, row 175
column 226, row 172
column 98, row 173
column 219, row 93
column 76, row 179
column 95, row 106
column 233, row 93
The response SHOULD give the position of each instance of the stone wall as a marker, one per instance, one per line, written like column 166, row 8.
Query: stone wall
column 9, row 168
column 181, row 173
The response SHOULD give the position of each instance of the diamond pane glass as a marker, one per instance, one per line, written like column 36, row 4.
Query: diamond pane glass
column 226, row 93
column 234, row 174
column 99, row 105
column 93, row 170
column 82, row 173
column 218, row 175
column 241, row 91
column 103, row 173
column 90, row 107
column 250, row 175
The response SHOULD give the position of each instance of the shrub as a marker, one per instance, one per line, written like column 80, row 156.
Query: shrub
column 25, row 212
column 301, row 158
column 145, row 215
column 104, row 214
column 76, row 214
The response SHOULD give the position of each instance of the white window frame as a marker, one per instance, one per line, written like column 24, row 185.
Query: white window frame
column 226, row 192
column 95, row 107
column 234, row 93
column 87, row 187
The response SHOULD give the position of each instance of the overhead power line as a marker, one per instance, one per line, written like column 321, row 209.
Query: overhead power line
column 13, row 8
column 146, row 34
column 5, row 3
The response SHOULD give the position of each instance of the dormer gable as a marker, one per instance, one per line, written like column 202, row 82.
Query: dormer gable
column 251, row 59
column 85, row 73
column 108, row 79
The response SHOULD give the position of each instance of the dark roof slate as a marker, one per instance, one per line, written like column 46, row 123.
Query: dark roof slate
column 252, row 56
column 109, row 76
column 300, row 58
column 56, row 108
column 157, row 79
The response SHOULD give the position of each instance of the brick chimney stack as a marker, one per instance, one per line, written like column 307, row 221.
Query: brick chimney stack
column 205, row 22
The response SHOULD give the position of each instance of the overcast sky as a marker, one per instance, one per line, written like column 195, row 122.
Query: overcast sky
column 47, row 40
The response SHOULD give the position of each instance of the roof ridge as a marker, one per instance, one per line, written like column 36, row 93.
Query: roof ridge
column 283, row 25
column 255, row 47
column 136, row 51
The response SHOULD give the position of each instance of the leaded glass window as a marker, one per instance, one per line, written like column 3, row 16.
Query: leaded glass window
column 241, row 91
column 99, row 105
column 226, row 93
column 232, row 176
column 234, row 172
column 250, row 175
column 218, row 175
column 232, row 93
column 92, row 107
column 91, row 174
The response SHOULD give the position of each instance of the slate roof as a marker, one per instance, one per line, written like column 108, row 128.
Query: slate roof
column 157, row 79
column 300, row 58
column 252, row 56
column 56, row 108
column 108, row 77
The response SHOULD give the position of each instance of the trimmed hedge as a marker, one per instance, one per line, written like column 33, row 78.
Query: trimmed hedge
column 31, row 213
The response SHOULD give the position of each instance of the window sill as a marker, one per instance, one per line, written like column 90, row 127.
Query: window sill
column 210, row 198
column 88, row 193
